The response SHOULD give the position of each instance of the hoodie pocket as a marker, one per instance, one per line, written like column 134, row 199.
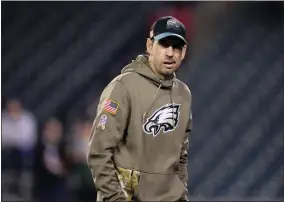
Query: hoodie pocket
column 128, row 180
column 159, row 187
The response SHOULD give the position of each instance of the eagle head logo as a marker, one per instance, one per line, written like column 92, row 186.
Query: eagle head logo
column 166, row 118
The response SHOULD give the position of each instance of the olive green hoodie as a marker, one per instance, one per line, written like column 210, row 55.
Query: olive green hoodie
column 139, row 141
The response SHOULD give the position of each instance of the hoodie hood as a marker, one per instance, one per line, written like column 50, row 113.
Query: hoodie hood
column 142, row 67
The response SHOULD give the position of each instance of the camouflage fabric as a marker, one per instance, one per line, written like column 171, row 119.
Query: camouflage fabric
column 128, row 180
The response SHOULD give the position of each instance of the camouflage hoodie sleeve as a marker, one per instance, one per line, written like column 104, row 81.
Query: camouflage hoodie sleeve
column 107, row 131
column 183, row 173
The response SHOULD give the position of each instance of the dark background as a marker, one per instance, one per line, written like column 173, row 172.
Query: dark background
column 58, row 56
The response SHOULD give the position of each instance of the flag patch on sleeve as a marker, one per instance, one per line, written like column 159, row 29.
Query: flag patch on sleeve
column 110, row 106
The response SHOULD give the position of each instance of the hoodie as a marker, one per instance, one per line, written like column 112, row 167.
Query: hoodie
column 139, row 140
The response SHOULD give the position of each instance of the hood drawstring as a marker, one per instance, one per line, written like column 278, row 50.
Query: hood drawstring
column 153, row 99
column 172, row 102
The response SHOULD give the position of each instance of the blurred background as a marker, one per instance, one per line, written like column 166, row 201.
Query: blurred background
column 58, row 56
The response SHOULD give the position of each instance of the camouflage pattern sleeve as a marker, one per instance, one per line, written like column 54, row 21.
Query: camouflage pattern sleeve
column 183, row 173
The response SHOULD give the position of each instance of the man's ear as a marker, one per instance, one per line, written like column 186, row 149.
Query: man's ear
column 149, row 46
column 183, row 51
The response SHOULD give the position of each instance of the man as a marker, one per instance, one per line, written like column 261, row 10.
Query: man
column 50, row 163
column 138, row 146
column 19, row 136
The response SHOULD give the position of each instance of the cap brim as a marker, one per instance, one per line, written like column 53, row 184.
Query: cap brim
column 167, row 34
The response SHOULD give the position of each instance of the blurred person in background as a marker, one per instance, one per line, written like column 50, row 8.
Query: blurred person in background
column 80, row 181
column 139, row 141
column 19, row 135
column 79, row 139
column 51, row 163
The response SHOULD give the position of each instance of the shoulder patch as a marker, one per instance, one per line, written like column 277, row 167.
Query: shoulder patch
column 110, row 106
column 102, row 122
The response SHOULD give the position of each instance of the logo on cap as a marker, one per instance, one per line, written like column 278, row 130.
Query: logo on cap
column 173, row 23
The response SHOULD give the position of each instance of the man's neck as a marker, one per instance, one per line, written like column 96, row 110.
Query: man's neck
column 15, row 115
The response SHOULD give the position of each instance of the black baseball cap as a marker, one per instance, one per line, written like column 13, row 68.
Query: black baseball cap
column 168, row 26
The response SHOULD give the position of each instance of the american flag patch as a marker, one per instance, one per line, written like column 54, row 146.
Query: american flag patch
column 110, row 106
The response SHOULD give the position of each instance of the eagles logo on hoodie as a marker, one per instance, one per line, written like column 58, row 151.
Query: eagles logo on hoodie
column 165, row 118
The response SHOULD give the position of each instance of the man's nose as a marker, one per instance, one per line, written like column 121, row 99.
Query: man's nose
column 170, row 51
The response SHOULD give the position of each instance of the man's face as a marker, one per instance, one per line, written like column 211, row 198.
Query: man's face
column 166, row 54
column 14, row 107
column 53, row 131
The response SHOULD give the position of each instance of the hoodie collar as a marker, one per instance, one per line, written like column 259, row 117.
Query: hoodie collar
column 142, row 67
